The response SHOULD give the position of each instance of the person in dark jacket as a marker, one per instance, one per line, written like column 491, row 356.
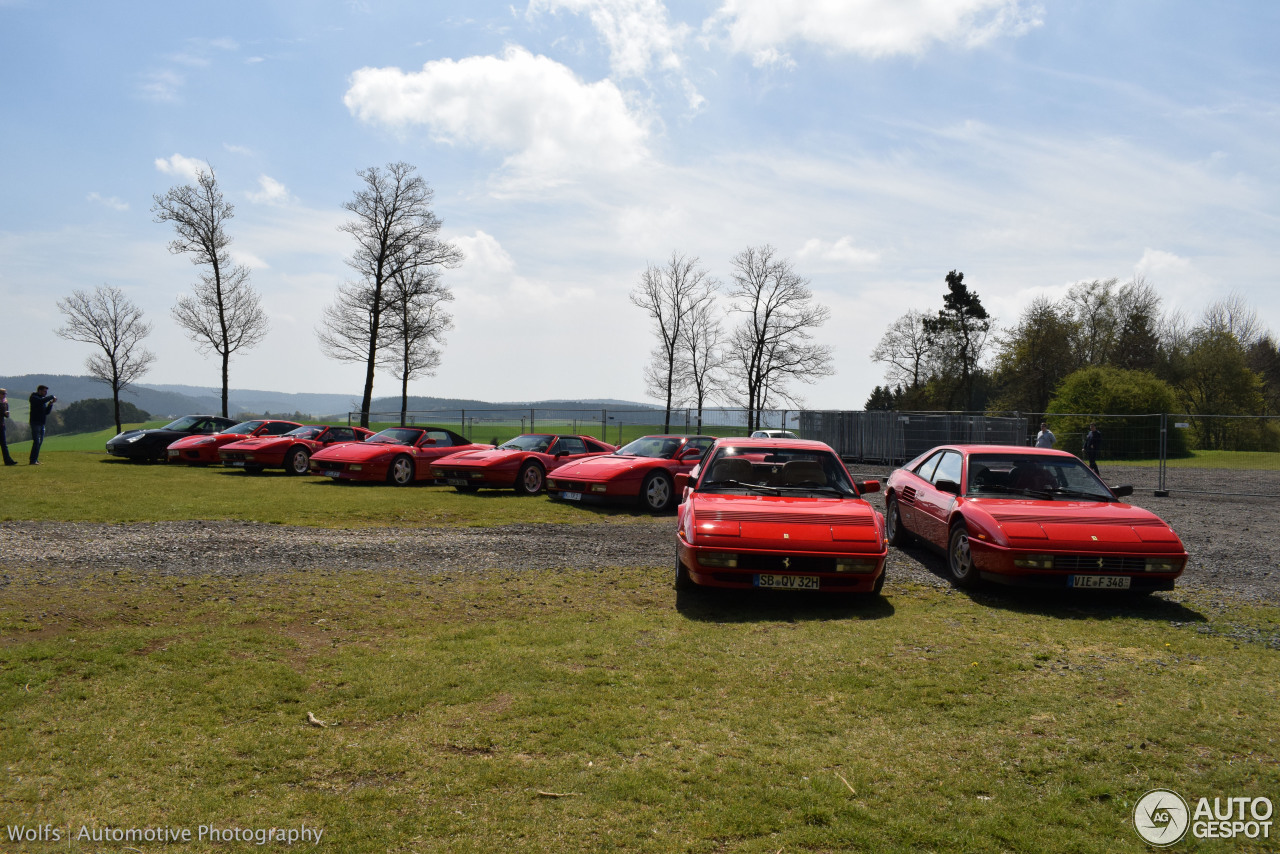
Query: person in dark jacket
column 41, row 405
column 4, row 417
column 1092, row 445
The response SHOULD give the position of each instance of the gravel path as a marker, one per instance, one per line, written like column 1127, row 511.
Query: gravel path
column 1234, row 545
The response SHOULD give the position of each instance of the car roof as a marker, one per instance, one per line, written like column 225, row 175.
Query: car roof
column 746, row 442
column 1022, row 450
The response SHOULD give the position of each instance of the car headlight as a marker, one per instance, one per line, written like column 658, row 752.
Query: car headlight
column 1163, row 564
column 355, row 468
column 1034, row 561
column 856, row 564
column 134, row 438
column 720, row 559
column 477, row 475
column 553, row 484
column 599, row 487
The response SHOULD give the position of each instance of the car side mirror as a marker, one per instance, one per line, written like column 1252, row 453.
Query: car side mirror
column 1122, row 491
column 949, row 486
column 869, row 486
column 691, row 454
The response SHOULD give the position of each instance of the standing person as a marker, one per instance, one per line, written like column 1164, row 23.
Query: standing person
column 41, row 405
column 1045, row 438
column 4, row 417
column 1093, row 444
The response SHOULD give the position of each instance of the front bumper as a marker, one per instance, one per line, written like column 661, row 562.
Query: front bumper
column 754, row 563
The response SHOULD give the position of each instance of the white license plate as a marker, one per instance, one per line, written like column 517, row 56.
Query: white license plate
column 571, row 496
column 331, row 473
column 788, row 582
column 1100, row 582
column 455, row 481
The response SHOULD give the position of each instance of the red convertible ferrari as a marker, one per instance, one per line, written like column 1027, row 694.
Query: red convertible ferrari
column 643, row 470
column 292, row 451
column 203, row 450
column 1031, row 517
column 522, row 463
column 399, row 455
column 781, row 514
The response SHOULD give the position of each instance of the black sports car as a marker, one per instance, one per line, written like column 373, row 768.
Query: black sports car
column 151, row 444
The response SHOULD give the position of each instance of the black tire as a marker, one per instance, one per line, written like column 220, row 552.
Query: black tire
column 683, row 580
column 531, row 479
column 253, row 469
column 894, row 532
column 297, row 462
column 960, row 557
column 879, row 585
column 657, row 492
column 401, row 471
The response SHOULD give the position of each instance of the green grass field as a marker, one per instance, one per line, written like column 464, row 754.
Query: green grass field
column 587, row 711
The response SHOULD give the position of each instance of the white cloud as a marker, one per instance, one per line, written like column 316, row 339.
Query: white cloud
column 108, row 202
column 485, row 257
column 161, row 86
column 842, row 252
column 636, row 31
column 183, row 167
column 771, row 57
column 551, row 124
column 270, row 192
column 872, row 28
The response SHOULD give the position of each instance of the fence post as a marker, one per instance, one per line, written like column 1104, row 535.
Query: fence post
column 1163, row 492
column 531, row 428
column 604, row 425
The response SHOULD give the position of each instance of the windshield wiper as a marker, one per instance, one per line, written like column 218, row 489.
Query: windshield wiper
column 826, row 490
column 1079, row 493
column 739, row 484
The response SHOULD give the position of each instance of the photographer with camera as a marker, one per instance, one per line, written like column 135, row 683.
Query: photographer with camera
column 41, row 405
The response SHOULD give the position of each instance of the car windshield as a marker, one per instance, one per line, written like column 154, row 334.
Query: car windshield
column 658, row 447
column 774, row 434
column 531, row 442
column 310, row 431
column 395, row 436
column 244, row 428
column 1041, row 476
column 779, row 470
column 186, row 422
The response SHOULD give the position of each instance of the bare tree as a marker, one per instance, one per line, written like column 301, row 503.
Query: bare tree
column 908, row 351
column 669, row 294
column 415, row 326
column 1234, row 315
column 771, row 347
column 703, row 356
column 225, row 314
column 396, row 233
column 109, row 320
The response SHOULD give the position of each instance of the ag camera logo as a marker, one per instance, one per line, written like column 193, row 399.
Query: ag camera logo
column 1161, row 817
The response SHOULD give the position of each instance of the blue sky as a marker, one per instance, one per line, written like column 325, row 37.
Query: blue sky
column 878, row 144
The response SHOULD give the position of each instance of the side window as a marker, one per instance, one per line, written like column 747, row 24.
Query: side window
column 340, row 434
column 570, row 445
column 442, row 438
column 948, row 468
column 926, row 468
column 699, row 445
column 595, row 447
column 279, row 428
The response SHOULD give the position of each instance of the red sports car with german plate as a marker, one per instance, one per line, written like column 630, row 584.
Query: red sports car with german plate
column 644, row 470
column 778, row 514
column 203, row 450
column 291, row 451
column 521, row 464
column 397, row 455
column 1031, row 517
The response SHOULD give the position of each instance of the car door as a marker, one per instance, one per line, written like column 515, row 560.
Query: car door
column 933, row 505
column 567, row 449
column 916, row 482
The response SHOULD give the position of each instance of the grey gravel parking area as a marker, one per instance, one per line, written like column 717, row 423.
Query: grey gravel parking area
column 1234, row 543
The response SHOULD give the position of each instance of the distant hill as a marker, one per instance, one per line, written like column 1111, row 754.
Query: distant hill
column 170, row 401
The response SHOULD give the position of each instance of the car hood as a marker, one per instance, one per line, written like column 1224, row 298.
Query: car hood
column 218, row 438
column 151, row 431
column 1078, row 524
column 257, row 443
column 493, row 457
column 607, row 466
column 790, row 523
column 359, row 451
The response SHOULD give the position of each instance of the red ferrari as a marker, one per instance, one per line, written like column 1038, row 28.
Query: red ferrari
column 1031, row 517
column 203, row 450
column 778, row 514
column 522, row 463
column 399, row 455
column 644, row 470
column 292, row 451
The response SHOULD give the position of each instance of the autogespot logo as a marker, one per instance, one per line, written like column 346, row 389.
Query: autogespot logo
column 1161, row 817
